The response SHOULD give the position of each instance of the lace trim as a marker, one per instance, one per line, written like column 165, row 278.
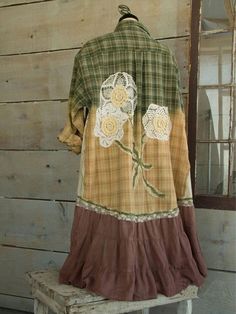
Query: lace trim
column 126, row 216
column 185, row 202
column 157, row 123
column 118, row 95
column 109, row 124
column 120, row 90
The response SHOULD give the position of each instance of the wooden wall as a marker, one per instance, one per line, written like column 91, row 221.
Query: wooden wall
column 39, row 40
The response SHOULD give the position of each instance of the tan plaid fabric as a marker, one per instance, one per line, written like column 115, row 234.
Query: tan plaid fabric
column 126, row 120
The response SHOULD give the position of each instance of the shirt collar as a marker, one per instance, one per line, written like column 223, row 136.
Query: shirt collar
column 131, row 25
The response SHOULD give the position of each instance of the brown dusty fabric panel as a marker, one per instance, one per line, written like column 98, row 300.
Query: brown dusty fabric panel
column 189, row 225
column 124, row 260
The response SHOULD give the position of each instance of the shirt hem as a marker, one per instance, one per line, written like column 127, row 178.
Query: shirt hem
column 126, row 216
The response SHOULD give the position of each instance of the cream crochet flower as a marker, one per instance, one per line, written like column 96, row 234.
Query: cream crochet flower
column 109, row 124
column 156, row 122
column 119, row 89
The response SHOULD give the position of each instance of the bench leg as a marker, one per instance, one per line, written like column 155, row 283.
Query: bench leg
column 39, row 307
column 185, row 307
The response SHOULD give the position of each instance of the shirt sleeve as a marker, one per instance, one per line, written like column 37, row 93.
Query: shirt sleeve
column 179, row 143
column 72, row 133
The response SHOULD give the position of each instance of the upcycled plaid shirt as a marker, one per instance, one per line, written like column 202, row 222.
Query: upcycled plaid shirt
column 126, row 119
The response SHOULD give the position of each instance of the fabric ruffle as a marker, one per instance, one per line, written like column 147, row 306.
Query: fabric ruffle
column 130, row 261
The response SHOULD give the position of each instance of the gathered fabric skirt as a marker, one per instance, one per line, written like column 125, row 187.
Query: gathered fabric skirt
column 133, row 261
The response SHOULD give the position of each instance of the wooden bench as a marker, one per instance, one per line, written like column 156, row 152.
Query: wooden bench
column 67, row 299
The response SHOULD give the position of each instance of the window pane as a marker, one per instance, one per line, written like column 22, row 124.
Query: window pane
column 212, row 168
column 234, row 114
column 213, row 114
column 215, row 59
column 215, row 15
column 233, row 175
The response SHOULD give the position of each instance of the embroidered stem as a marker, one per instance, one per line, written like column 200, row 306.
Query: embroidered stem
column 125, row 148
column 136, row 174
column 151, row 189
column 139, row 165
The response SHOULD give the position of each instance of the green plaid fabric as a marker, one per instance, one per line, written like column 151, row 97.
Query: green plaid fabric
column 126, row 119
column 129, row 48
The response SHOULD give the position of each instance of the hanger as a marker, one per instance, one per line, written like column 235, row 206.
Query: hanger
column 125, row 12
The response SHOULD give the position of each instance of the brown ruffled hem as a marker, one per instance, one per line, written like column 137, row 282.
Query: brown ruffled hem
column 130, row 261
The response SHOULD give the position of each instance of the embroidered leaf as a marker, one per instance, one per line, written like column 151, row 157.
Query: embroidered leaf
column 136, row 172
column 144, row 138
column 138, row 164
column 146, row 166
column 152, row 190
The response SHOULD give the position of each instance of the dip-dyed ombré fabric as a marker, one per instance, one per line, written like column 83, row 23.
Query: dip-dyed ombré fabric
column 134, row 232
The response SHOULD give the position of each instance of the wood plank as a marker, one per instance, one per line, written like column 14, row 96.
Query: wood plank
column 15, row 262
column 19, row 304
column 36, row 224
column 35, row 125
column 8, row 311
column 32, row 125
column 46, row 289
column 66, row 24
column 181, row 49
column 16, row 303
column 48, row 175
column 4, row 3
column 216, row 229
column 218, row 294
column 47, row 75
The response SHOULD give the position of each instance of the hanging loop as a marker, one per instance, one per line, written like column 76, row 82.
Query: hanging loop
column 124, row 9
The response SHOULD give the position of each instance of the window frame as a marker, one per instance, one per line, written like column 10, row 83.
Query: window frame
column 208, row 201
